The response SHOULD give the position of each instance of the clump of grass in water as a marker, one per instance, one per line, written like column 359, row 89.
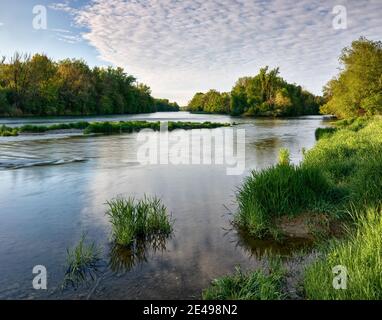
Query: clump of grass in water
column 360, row 253
column 82, row 263
column 284, row 156
column 132, row 219
column 255, row 285
column 8, row 132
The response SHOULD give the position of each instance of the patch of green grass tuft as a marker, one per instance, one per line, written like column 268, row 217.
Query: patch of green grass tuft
column 82, row 263
column 132, row 219
column 255, row 285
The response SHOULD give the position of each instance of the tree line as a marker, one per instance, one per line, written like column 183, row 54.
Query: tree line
column 37, row 85
column 357, row 89
column 266, row 94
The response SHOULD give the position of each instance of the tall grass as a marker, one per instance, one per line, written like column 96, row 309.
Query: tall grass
column 60, row 126
column 82, row 263
column 109, row 127
column 7, row 131
column 347, row 167
column 255, row 285
column 324, row 132
column 132, row 219
column 280, row 190
column 360, row 253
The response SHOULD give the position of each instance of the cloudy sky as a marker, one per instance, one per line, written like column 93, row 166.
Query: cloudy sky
column 179, row 47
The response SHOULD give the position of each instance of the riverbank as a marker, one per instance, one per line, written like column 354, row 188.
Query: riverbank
column 338, row 182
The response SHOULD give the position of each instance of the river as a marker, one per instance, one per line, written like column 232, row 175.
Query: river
column 53, row 188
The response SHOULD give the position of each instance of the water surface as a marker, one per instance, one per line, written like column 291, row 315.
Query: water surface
column 53, row 188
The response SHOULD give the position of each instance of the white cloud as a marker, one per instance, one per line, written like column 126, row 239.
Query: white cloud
column 180, row 47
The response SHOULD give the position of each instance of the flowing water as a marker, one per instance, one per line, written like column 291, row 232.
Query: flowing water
column 53, row 189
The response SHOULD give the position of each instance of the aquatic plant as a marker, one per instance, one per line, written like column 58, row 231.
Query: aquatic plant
column 82, row 263
column 132, row 219
column 360, row 253
column 284, row 156
column 8, row 131
column 255, row 285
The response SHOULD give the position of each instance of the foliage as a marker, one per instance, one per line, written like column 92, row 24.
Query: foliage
column 109, row 127
column 357, row 90
column 40, row 86
column 284, row 156
column 360, row 253
column 277, row 191
column 255, row 285
column 132, row 219
column 324, row 132
column 266, row 94
column 82, row 263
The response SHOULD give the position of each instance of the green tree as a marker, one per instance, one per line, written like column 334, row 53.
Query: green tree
column 357, row 89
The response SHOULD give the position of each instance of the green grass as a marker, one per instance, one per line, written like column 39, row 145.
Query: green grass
column 8, row 131
column 81, row 263
column 281, row 190
column 255, row 285
column 341, row 169
column 109, row 127
column 360, row 253
column 61, row 126
column 324, row 132
column 132, row 219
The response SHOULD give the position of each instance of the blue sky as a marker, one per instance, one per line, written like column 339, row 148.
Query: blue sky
column 181, row 47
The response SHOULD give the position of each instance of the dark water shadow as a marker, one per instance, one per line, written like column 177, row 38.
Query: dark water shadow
column 124, row 258
column 264, row 247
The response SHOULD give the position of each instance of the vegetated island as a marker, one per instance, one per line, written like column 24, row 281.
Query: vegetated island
column 107, row 127
column 334, row 197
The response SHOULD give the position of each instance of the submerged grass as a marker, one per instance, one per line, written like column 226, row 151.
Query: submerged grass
column 132, row 219
column 360, row 254
column 82, row 263
column 255, row 285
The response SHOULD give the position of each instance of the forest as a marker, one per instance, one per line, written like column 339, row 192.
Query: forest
column 266, row 94
column 38, row 86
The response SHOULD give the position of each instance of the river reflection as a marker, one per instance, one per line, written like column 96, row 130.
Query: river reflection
column 46, row 209
column 124, row 258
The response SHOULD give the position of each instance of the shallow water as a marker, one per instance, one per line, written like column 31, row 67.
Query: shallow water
column 53, row 188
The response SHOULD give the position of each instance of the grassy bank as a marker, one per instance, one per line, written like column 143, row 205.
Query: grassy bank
column 342, row 174
column 109, row 127
column 360, row 253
